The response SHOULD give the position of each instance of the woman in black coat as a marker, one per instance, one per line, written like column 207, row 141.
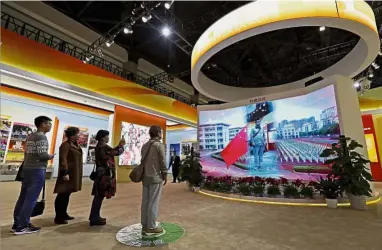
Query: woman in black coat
column 105, row 182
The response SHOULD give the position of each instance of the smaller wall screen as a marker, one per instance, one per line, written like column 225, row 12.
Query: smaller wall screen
column 135, row 136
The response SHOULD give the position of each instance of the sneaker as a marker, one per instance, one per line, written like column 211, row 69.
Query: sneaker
column 14, row 227
column 157, row 230
column 27, row 230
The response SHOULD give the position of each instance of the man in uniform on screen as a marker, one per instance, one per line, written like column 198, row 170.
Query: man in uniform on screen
column 257, row 143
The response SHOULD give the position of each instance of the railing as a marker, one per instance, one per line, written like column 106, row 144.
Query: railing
column 24, row 29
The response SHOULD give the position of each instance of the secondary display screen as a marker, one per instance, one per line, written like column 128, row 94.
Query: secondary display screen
column 281, row 138
column 135, row 136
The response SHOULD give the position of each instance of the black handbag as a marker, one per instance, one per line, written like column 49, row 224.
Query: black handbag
column 93, row 174
column 40, row 205
column 20, row 175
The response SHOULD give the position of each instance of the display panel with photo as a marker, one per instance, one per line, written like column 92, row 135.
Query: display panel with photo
column 83, row 138
column 174, row 149
column 19, row 136
column 186, row 147
column 91, row 150
column 281, row 138
column 5, row 131
column 135, row 136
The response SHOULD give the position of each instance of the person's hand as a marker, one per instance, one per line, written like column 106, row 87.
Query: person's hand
column 122, row 142
column 66, row 177
column 51, row 156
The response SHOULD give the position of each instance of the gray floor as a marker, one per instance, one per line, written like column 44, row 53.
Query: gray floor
column 209, row 223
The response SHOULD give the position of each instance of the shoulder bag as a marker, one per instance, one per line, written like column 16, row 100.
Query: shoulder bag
column 93, row 174
column 40, row 205
column 137, row 174
column 20, row 175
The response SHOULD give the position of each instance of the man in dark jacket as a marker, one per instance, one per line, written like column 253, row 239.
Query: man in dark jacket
column 175, row 164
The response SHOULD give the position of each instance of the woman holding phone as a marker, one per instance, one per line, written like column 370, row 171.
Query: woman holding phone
column 105, row 182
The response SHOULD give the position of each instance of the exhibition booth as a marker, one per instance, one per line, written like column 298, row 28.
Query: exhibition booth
column 277, row 134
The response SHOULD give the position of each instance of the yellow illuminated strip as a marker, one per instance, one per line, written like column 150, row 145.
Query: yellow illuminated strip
column 285, row 203
column 264, row 12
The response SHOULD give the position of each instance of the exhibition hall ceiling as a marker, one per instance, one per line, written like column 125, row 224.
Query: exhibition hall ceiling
column 269, row 59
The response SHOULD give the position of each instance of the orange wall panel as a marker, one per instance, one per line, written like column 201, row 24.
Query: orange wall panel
column 122, row 114
column 28, row 55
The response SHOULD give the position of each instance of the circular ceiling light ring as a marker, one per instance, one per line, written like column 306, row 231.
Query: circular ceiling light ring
column 264, row 16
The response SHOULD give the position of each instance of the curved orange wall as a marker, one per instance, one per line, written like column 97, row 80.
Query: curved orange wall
column 20, row 52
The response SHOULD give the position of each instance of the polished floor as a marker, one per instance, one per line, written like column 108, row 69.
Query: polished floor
column 209, row 223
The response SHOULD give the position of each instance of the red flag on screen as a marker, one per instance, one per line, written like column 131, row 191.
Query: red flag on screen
column 236, row 148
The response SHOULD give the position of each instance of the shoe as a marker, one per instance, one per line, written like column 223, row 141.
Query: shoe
column 68, row 217
column 60, row 221
column 27, row 230
column 97, row 223
column 102, row 219
column 157, row 230
column 14, row 227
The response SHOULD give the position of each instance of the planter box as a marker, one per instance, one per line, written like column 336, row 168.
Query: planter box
column 332, row 203
column 358, row 202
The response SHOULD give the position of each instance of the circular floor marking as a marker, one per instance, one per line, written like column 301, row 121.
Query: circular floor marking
column 132, row 235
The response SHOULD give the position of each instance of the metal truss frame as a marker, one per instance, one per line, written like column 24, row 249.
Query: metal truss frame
column 33, row 33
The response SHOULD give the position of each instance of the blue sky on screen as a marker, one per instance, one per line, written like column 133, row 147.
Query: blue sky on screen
column 236, row 117
column 304, row 106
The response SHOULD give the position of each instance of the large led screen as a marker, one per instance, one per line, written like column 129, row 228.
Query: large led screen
column 281, row 138
column 135, row 136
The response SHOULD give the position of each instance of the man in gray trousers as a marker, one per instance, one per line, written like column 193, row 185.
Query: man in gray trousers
column 154, row 178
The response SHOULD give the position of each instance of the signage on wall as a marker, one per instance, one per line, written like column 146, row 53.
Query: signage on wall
column 257, row 99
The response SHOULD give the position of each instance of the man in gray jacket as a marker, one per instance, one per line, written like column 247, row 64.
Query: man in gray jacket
column 154, row 178
column 36, row 159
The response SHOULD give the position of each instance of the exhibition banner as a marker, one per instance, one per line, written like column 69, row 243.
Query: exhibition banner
column 83, row 138
column 280, row 138
column 372, row 147
column 174, row 149
column 5, row 131
column 135, row 136
column 18, row 51
column 19, row 136
column 91, row 150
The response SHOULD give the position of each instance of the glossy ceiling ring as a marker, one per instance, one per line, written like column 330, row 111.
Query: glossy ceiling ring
column 264, row 16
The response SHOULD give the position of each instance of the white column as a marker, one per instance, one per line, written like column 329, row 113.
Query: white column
column 349, row 112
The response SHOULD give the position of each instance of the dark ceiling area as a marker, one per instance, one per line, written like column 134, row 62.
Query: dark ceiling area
column 269, row 59
column 279, row 57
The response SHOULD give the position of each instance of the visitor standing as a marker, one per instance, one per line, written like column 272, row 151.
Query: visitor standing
column 105, row 182
column 175, row 164
column 69, row 178
column 154, row 178
column 36, row 159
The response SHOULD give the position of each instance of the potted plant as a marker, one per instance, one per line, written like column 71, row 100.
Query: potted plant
column 258, row 186
column 330, row 189
column 225, row 184
column 308, row 190
column 244, row 186
column 291, row 191
column 273, row 188
column 350, row 167
column 191, row 171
